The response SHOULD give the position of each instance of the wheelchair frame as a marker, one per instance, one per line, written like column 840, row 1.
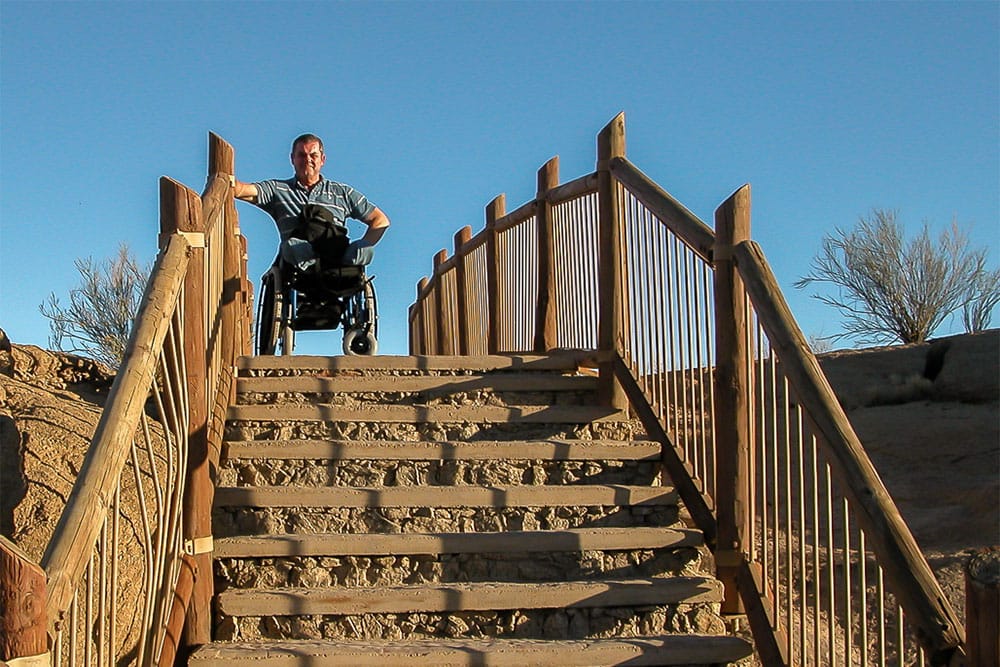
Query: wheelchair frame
column 347, row 299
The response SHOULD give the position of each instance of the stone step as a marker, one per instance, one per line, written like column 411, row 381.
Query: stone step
column 636, row 651
column 419, row 414
column 416, row 384
column 572, row 540
column 552, row 449
column 303, row 364
column 234, row 521
column 446, row 496
column 454, row 597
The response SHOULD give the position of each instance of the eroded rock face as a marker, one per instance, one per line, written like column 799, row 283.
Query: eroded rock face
column 50, row 406
column 50, row 403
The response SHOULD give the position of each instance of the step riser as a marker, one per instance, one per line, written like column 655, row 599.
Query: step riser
column 434, row 473
column 576, row 623
column 355, row 431
column 453, row 568
column 420, row 414
column 354, row 400
column 248, row 521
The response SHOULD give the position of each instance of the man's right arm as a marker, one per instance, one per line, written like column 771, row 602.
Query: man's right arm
column 245, row 191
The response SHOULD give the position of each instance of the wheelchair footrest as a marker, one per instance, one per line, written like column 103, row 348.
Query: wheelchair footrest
column 315, row 316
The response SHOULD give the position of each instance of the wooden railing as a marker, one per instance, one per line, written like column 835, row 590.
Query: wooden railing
column 690, row 330
column 129, row 563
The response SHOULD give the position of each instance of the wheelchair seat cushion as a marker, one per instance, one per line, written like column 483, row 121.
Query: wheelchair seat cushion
column 325, row 282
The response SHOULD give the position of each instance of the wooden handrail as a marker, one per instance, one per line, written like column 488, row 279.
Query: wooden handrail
column 689, row 227
column 578, row 187
column 904, row 565
column 516, row 217
column 68, row 551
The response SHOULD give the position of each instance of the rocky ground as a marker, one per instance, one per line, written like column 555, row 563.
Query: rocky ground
column 928, row 415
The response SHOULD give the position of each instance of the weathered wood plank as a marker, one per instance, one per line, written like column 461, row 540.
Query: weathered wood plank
column 520, row 450
column 446, row 496
column 570, row 539
column 635, row 651
column 563, row 360
column 468, row 597
column 444, row 384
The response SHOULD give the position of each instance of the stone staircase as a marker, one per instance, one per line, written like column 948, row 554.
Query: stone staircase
column 450, row 511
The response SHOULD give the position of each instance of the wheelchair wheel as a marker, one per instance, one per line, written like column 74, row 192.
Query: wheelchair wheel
column 273, row 317
column 358, row 342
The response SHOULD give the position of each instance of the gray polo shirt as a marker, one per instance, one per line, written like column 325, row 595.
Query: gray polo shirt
column 285, row 199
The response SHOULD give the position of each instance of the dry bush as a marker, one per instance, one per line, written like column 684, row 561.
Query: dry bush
column 889, row 290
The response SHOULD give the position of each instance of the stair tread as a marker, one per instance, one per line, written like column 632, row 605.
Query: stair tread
column 548, row 449
column 565, row 361
column 477, row 414
column 659, row 650
column 446, row 496
column 443, row 384
column 473, row 596
column 570, row 539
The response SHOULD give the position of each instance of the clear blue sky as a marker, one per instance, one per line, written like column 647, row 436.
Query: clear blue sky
column 432, row 109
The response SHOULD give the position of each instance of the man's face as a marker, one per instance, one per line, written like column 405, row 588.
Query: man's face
column 308, row 159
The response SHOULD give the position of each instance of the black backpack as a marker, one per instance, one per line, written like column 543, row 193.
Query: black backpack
column 320, row 228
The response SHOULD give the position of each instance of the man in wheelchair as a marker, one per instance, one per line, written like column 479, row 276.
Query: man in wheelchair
column 315, row 258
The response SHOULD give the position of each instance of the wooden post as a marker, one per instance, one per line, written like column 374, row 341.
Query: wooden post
column 411, row 317
column 611, row 284
column 545, row 308
column 732, row 225
column 445, row 344
column 180, row 210
column 221, row 163
column 982, row 608
column 175, row 620
column 23, row 620
column 424, row 347
column 221, row 167
column 495, row 210
column 463, row 236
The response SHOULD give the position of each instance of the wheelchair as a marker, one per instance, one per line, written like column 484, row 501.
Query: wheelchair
column 317, row 298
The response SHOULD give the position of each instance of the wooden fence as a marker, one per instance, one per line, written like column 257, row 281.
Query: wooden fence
column 129, row 564
column 691, row 332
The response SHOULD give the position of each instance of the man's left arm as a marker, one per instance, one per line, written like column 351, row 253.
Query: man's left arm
column 377, row 222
